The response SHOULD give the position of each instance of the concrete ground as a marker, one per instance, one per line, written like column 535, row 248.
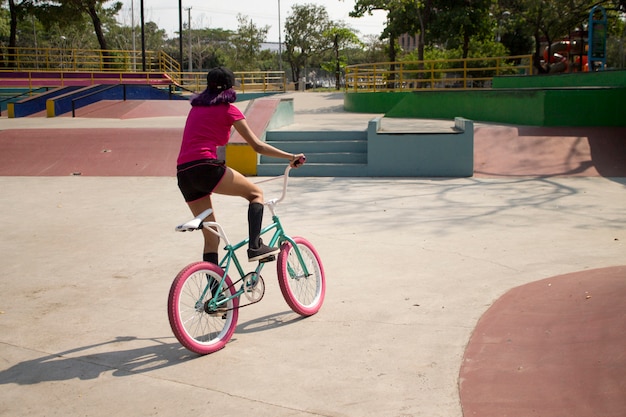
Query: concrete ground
column 428, row 280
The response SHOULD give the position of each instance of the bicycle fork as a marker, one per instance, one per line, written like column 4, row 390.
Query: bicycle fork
column 281, row 237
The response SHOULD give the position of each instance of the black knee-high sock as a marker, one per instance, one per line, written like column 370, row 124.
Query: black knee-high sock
column 210, row 257
column 255, row 220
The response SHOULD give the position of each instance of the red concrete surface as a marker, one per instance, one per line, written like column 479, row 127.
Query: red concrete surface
column 504, row 151
column 555, row 348
column 97, row 152
column 93, row 152
column 132, row 109
column 258, row 115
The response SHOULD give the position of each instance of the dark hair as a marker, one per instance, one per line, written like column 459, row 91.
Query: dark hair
column 220, row 79
column 219, row 88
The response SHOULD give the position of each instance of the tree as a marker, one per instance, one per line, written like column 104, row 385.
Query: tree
column 210, row 47
column 72, row 10
column 247, row 44
column 457, row 22
column 403, row 16
column 304, row 37
column 16, row 9
column 554, row 19
column 342, row 37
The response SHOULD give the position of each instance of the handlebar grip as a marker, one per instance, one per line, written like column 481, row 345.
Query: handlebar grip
column 299, row 162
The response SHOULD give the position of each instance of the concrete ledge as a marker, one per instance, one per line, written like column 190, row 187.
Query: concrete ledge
column 554, row 106
column 36, row 103
column 92, row 94
column 421, row 154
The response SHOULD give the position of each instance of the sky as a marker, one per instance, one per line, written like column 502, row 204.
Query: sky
column 223, row 14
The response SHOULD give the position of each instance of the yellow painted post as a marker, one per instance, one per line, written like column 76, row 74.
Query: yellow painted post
column 241, row 157
column 465, row 73
column 50, row 108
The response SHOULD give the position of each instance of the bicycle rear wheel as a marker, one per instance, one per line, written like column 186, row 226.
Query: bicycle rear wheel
column 304, row 294
column 196, row 327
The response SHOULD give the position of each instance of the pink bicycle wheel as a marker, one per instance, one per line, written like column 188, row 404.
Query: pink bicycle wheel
column 195, row 325
column 304, row 294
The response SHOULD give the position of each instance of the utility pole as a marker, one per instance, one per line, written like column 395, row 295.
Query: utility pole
column 180, row 33
column 189, row 23
column 132, row 18
column 280, row 42
column 143, row 39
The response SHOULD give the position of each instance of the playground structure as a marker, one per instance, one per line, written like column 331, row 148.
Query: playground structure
column 567, row 55
column 582, row 48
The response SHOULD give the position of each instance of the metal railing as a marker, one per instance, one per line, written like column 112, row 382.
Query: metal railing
column 469, row 73
column 245, row 81
column 72, row 59
column 57, row 66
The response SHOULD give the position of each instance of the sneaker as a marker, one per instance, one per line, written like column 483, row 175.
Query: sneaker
column 262, row 253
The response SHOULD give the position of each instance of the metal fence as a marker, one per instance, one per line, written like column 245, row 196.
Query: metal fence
column 87, row 66
column 469, row 73
column 71, row 59
column 245, row 81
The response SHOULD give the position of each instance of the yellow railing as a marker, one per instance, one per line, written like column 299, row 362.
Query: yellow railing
column 71, row 59
column 245, row 81
column 469, row 73
column 62, row 63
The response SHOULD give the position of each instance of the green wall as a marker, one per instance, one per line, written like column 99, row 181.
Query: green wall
column 583, row 99
column 580, row 79
column 502, row 106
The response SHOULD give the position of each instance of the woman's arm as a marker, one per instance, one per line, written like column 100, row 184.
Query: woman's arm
column 261, row 147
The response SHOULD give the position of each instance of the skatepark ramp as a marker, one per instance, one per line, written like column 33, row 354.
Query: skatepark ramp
column 63, row 100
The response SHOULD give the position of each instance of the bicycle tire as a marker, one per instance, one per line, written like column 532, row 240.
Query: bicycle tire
column 304, row 295
column 195, row 329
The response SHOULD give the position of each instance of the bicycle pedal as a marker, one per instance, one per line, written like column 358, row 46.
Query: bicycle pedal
column 270, row 258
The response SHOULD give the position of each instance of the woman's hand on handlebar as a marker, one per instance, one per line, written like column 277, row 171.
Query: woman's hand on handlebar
column 297, row 160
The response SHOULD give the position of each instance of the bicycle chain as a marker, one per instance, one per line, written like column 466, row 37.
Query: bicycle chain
column 240, row 280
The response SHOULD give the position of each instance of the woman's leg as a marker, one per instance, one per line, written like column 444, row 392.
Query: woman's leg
column 234, row 183
column 211, row 241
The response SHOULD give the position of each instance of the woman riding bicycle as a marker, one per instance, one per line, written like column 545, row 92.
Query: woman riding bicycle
column 200, row 173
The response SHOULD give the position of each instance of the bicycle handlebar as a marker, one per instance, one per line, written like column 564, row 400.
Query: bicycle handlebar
column 272, row 202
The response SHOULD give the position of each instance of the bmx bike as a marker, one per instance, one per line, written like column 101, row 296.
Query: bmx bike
column 204, row 302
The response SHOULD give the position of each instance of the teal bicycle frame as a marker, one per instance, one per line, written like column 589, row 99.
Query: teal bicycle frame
column 230, row 259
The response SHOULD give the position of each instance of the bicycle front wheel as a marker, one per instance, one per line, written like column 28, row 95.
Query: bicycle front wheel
column 196, row 326
column 303, row 293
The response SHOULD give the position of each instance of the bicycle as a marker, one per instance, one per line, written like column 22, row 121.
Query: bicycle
column 204, row 302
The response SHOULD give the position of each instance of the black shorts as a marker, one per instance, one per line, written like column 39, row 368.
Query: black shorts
column 198, row 179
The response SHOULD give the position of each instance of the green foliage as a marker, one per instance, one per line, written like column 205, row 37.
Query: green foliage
column 5, row 24
column 305, row 28
column 246, row 45
column 446, row 28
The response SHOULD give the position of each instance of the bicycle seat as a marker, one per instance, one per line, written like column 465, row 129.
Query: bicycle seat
column 195, row 223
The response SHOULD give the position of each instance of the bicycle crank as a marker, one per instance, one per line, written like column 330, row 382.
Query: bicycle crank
column 253, row 287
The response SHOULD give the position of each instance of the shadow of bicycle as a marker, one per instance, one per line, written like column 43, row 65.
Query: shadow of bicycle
column 67, row 365
column 270, row 321
column 78, row 363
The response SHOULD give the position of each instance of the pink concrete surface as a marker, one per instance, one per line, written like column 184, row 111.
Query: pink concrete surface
column 133, row 109
column 93, row 152
column 554, row 347
column 258, row 115
column 504, row 151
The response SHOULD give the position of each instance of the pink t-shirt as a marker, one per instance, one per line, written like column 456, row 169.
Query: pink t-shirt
column 207, row 127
